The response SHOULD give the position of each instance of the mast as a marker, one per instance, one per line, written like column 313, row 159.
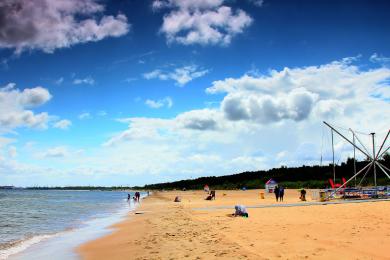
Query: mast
column 334, row 168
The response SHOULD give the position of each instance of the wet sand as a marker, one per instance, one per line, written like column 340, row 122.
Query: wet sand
column 198, row 229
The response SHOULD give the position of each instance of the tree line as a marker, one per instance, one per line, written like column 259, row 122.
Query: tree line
column 290, row 177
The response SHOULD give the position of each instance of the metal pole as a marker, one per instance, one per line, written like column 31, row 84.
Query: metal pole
column 380, row 166
column 357, row 147
column 360, row 142
column 373, row 152
column 364, row 176
column 384, row 141
column 384, row 152
column 334, row 169
column 354, row 157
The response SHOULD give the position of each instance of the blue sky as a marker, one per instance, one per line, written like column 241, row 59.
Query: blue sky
column 143, row 91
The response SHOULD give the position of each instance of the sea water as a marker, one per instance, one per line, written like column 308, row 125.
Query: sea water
column 34, row 224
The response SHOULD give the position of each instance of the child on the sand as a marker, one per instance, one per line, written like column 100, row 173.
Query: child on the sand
column 240, row 211
column 303, row 195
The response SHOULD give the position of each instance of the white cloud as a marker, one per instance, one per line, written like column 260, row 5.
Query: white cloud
column 12, row 152
column 167, row 101
column 201, row 22
column 205, row 119
column 131, row 79
column 59, row 81
column 15, row 104
column 62, row 124
column 295, row 105
column 210, row 142
column 181, row 75
column 85, row 115
column 55, row 152
column 257, row 3
column 48, row 25
column 102, row 113
column 88, row 80
column 277, row 121
column 377, row 58
column 334, row 89
column 139, row 128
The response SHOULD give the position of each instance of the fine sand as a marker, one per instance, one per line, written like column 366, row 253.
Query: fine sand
column 197, row 229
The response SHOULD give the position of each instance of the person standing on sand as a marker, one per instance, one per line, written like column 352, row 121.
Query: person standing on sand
column 281, row 193
column 137, row 196
column 303, row 195
column 276, row 191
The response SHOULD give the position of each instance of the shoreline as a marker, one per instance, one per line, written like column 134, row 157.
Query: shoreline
column 63, row 243
column 168, row 230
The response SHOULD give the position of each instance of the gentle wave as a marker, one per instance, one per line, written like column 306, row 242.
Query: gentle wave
column 22, row 245
column 88, row 229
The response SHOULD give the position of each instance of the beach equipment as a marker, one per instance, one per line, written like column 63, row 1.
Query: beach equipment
column 270, row 185
column 373, row 160
column 336, row 185
column 261, row 195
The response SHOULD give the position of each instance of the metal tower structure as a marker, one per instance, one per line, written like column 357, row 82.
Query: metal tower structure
column 373, row 158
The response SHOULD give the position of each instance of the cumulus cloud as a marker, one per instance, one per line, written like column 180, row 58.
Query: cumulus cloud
column 205, row 119
column 15, row 105
column 295, row 105
column 62, row 124
column 280, row 114
column 167, row 101
column 87, row 80
column 324, row 91
column 48, row 25
column 181, row 75
column 201, row 22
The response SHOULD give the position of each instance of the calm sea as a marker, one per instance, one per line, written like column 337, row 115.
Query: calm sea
column 28, row 217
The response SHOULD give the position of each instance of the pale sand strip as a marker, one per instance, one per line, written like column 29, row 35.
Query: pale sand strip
column 169, row 230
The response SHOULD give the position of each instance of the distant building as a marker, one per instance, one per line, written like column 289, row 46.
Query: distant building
column 270, row 185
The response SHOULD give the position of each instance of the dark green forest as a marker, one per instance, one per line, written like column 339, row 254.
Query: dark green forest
column 291, row 177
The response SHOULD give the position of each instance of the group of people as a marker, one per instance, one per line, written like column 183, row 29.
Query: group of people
column 279, row 193
column 136, row 196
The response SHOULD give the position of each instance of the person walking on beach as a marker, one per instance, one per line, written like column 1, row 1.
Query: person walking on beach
column 303, row 195
column 137, row 196
column 281, row 193
column 276, row 191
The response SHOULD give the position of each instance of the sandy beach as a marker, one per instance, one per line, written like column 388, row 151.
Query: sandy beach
column 199, row 229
